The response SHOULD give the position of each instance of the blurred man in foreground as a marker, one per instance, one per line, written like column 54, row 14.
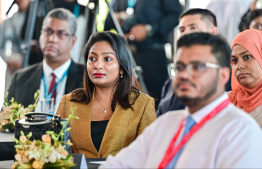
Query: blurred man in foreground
column 211, row 132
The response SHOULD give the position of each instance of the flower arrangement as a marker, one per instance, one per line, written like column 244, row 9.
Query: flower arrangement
column 41, row 153
column 13, row 111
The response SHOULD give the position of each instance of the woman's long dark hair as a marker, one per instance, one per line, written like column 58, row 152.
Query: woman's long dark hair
column 124, row 86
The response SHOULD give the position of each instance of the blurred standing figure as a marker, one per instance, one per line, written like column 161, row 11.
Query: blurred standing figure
column 147, row 24
column 10, row 40
column 79, row 12
column 229, row 13
column 3, row 67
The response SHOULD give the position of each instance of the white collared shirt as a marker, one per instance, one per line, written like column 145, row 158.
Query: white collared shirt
column 232, row 139
column 60, row 90
column 200, row 114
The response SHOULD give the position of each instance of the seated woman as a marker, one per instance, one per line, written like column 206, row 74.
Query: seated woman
column 111, row 108
column 247, row 73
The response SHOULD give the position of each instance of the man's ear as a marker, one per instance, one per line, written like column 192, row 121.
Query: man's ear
column 224, row 75
column 73, row 41
column 214, row 30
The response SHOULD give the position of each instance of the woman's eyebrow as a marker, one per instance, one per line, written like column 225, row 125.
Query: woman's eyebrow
column 106, row 53
column 243, row 52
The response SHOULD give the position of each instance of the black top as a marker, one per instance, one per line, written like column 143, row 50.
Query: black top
column 97, row 132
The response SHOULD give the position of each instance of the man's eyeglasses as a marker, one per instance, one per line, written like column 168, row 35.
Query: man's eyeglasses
column 61, row 34
column 195, row 69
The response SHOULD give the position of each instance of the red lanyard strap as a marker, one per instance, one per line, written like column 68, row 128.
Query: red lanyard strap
column 171, row 151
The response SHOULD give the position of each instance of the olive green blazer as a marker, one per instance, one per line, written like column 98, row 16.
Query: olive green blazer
column 123, row 127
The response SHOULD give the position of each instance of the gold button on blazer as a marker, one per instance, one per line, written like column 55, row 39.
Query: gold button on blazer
column 123, row 127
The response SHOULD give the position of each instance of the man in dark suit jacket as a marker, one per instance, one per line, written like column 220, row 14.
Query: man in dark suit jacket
column 58, row 74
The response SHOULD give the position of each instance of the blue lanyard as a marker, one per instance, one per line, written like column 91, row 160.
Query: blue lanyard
column 48, row 96
column 131, row 3
column 76, row 10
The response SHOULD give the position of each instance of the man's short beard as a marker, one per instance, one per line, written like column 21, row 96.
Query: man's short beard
column 192, row 102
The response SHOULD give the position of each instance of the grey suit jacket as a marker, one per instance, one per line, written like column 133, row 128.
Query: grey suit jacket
column 27, row 81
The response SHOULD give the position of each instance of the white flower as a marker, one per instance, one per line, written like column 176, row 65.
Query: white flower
column 54, row 156
column 18, row 157
column 34, row 154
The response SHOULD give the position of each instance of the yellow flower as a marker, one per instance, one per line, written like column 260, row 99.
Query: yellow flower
column 5, row 122
column 62, row 151
column 2, row 116
column 22, row 139
column 32, row 145
column 22, row 116
column 27, row 110
column 38, row 164
column 64, row 154
column 15, row 165
column 24, row 158
column 46, row 139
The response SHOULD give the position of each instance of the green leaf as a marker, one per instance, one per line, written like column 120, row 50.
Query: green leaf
column 18, row 146
column 54, row 137
column 16, row 141
column 29, row 135
column 22, row 133
column 68, row 129
column 50, row 132
column 38, row 143
column 14, row 111
column 68, row 161
column 12, row 100
column 6, row 100
column 25, row 166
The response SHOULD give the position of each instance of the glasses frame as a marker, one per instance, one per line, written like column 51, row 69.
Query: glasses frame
column 62, row 36
column 172, row 71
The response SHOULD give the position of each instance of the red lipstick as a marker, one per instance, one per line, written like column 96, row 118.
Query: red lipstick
column 99, row 75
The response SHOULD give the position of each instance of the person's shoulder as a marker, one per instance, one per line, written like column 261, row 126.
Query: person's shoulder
column 174, row 114
column 67, row 97
column 172, row 117
column 79, row 65
column 29, row 69
column 141, row 97
column 236, row 115
column 144, row 96
column 27, row 72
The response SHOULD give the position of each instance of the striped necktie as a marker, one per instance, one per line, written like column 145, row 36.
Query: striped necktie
column 52, row 85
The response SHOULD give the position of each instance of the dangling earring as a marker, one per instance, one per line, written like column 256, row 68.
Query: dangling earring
column 121, row 76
